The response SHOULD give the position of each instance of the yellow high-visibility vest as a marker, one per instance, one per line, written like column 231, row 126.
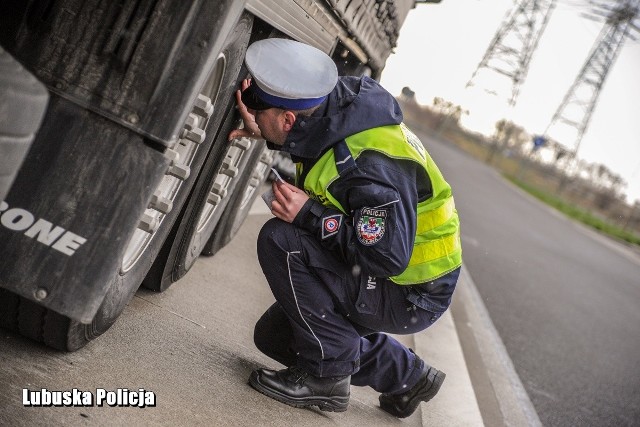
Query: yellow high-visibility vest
column 436, row 249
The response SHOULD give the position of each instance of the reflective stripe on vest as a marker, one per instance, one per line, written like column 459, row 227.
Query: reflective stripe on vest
column 436, row 249
column 429, row 220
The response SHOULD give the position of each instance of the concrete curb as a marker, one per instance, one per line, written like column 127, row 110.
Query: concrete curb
column 455, row 404
column 499, row 391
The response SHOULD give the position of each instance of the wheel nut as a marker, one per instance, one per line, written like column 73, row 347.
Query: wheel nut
column 148, row 223
column 161, row 204
column 191, row 122
column 203, row 106
column 172, row 155
column 242, row 143
column 179, row 171
column 196, row 135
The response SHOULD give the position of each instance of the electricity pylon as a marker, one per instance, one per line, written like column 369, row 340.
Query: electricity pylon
column 509, row 54
column 513, row 45
column 575, row 110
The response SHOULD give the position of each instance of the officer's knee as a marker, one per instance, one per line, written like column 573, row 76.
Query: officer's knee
column 261, row 337
column 273, row 335
column 263, row 329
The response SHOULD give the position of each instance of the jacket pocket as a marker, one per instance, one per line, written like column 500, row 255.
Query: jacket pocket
column 369, row 295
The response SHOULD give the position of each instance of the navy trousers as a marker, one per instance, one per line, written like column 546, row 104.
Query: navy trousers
column 332, row 321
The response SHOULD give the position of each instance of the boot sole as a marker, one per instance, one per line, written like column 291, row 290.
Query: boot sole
column 328, row 404
column 423, row 396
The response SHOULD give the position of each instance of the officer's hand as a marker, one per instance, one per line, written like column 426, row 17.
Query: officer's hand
column 251, row 129
column 289, row 200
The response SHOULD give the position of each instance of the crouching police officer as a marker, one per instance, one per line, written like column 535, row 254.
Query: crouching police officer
column 366, row 243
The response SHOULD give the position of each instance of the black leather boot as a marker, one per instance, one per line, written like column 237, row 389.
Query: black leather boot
column 404, row 404
column 298, row 388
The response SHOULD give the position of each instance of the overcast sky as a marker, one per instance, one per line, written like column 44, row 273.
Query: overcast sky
column 440, row 46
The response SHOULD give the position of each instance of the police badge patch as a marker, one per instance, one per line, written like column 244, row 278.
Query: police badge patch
column 331, row 225
column 370, row 227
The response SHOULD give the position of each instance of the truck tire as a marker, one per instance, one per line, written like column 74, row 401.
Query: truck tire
column 226, row 174
column 60, row 332
column 9, row 310
column 55, row 330
column 170, row 264
column 238, row 209
column 121, row 292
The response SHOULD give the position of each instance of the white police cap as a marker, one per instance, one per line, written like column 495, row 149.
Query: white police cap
column 288, row 74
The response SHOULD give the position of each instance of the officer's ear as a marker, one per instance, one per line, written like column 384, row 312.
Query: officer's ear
column 289, row 120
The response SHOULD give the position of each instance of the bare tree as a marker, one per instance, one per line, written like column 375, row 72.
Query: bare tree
column 448, row 109
column 512, row 135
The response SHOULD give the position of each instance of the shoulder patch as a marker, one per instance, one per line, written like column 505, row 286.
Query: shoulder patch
column 331, row 225
column 371, row 225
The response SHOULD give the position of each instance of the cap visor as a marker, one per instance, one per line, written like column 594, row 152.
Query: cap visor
column 251, row 99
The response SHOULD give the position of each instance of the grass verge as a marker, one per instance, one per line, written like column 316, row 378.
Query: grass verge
column 576, row 213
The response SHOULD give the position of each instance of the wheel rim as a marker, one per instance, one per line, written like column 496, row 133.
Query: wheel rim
column 257, row 178
column 228, row 172
column 182, row 156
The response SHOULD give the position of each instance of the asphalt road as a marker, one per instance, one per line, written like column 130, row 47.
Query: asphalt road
column 565, row 301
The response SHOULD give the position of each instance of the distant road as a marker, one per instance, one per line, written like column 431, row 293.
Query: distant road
column 565, row 301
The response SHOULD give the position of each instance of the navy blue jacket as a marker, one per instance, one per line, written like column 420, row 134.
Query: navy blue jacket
column 392, row 185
